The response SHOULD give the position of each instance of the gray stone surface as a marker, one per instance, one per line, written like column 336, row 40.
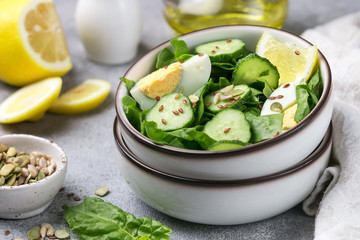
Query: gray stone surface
column 88, row 140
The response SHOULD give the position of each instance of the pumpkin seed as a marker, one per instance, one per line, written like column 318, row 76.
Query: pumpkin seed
column 234, row 92
column 62, row 234
column 11, row 152
column 21, row 160
column 40, row 176
column 10, row 181
column 6, row 169
column 3, row 147
column 2, row 181
column 276, row 107
column 17, row 169
column 34, row 233
column 101, row 191
column 8, row 176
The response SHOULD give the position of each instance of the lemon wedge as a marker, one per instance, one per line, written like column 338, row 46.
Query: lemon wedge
column 32, row 42
column 84, row 97
column 30, row 102
column 293, row 62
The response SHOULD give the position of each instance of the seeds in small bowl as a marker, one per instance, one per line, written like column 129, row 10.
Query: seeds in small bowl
column 18, row 168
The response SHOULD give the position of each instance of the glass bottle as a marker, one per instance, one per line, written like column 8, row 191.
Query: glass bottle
column 189, row 15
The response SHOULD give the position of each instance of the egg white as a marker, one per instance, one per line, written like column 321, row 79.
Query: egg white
column 195, row 73
column 288, row 99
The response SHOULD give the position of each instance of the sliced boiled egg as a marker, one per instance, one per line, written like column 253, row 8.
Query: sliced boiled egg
column 186, row 77
column 196, row 72
column 280, row 100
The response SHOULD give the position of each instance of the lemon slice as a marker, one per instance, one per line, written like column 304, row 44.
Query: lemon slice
column 85, row 97
column 30, row 102
column 32, row 42
column 293, row 62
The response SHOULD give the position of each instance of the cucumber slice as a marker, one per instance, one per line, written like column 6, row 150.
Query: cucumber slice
column 238, row 95
column 173, row 111
column 253, row 68
column 223, row 50
column 226, row 145
column 229, row 124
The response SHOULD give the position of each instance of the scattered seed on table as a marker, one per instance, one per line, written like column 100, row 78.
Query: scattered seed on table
column 7, row 232
column 34, row 233
column 61, row 189
column 101, row 191
column 70, row 194
column 76, row 198
column 62, row 234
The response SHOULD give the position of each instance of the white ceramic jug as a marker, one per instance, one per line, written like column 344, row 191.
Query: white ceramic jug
column 109, row 29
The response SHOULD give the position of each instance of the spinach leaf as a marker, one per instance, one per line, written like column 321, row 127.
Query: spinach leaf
column 200, row 106
column 262, row 86
column 306, row 101
column 200, row 137
column 128, row 83
column 164, row 58
column 180, row 48
column 184, row 57
column 224, row 65
column 315, row 83
column 264, row 127
column 188, row 138
column 222, row 82
column 96, row 219
column 133, row 113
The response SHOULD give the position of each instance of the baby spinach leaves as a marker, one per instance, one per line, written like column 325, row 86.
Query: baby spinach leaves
column 95, row 219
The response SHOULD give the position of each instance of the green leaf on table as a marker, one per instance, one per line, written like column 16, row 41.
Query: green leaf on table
column 95, row 219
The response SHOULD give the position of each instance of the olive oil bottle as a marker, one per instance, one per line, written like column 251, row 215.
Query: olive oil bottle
column 189, row 15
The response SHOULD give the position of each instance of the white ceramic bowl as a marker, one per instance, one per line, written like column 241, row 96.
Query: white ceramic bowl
column 17, row 202
column 259, row 159
column 222, row 202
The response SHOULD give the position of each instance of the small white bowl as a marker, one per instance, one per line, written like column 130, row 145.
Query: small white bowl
column 223, row 202
column 255, row 160
column 18, row 202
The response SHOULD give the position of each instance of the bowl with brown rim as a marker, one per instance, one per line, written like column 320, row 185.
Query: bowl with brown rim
column 259, row 159
column 222, row 202
column 26, row 199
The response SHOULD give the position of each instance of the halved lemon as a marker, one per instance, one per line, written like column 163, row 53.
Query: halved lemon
column 293, row 62
column 32, row 42
column 82, row 98
column 30, row 102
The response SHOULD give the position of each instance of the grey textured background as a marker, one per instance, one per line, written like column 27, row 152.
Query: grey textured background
column 88, row 141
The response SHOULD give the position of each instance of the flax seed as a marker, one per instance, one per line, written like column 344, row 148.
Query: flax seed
column 227, row 130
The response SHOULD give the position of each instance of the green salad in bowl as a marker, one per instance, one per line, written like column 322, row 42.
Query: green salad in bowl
column 219, row 95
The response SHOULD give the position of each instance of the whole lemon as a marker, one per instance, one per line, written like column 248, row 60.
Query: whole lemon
column 32, row 42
